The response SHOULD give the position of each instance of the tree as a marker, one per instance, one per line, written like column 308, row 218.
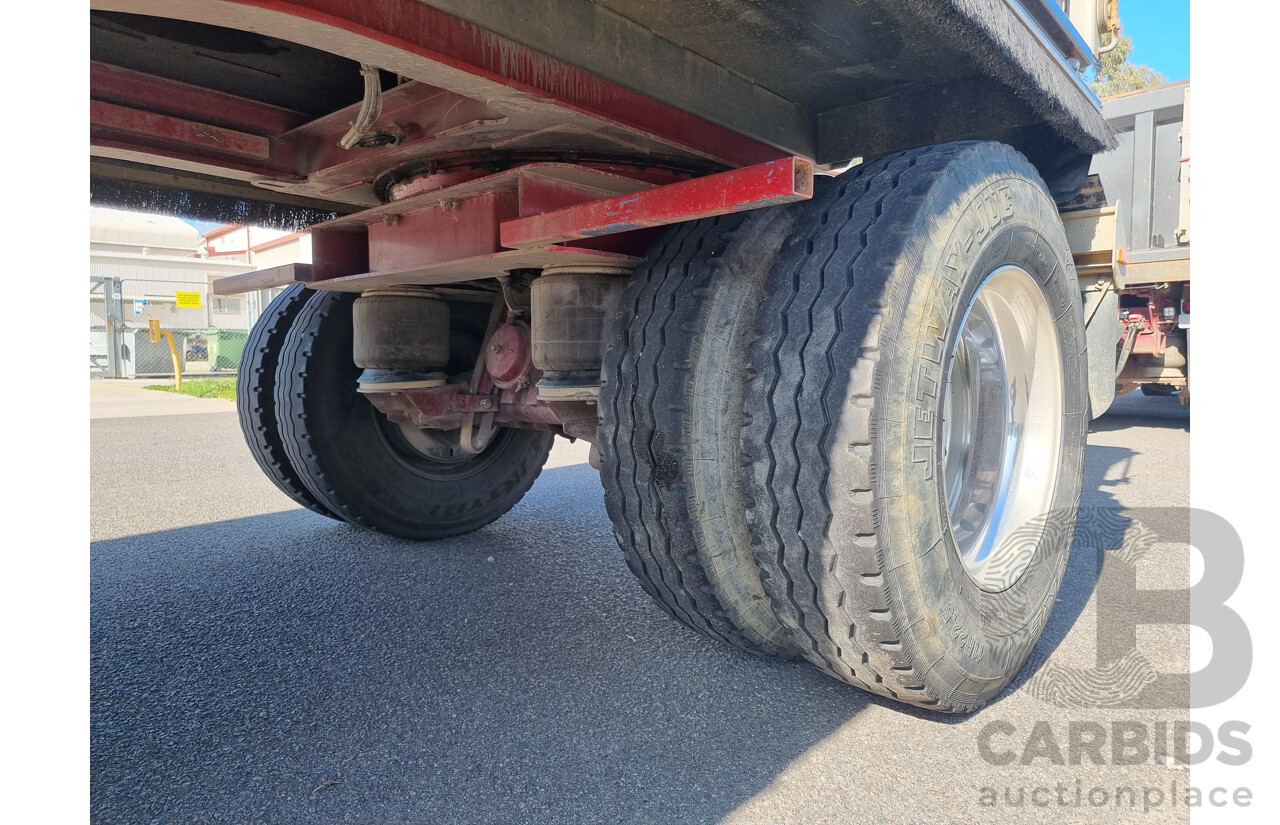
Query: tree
column 1116, row 75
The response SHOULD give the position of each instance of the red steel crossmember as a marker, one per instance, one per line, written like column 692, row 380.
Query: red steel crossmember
column 753, row 187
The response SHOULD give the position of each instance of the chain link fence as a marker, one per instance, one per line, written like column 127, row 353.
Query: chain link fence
column 209, row 331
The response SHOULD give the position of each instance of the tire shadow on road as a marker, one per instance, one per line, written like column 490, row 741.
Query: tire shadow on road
column 518, row 673
column 1105, row 531
column 1104, row 525
column 1137, row 410
column 515, row 674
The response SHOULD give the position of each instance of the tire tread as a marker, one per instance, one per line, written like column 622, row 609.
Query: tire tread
column 646, row 409
column 854, row 634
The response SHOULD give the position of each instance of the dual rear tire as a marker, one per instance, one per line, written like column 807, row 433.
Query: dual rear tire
column 902, row 390
column 328, row 448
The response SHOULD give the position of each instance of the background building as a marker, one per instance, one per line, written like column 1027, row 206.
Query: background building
column 144, row 267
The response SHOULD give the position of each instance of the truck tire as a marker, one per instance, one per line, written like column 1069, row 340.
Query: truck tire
column 926, row 306
column 670, row 416
column 366, row 469
column 256, row 402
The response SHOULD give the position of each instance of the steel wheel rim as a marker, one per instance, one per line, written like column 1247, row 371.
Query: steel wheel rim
column 1002, row 428
column 414, row 450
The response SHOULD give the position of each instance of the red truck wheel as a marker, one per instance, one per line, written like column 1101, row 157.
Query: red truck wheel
column 917, row 423
column 372, row 472
column 670, row 416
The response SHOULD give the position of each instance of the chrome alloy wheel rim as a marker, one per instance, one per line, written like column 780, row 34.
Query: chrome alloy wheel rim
column 1002, row 428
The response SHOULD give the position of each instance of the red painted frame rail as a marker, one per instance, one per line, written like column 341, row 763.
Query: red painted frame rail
column 752, row 187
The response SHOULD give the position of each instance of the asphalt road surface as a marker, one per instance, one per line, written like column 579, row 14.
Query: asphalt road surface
column 254, row 662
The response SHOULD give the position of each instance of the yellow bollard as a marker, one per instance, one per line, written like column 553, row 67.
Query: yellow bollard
column 154, row 327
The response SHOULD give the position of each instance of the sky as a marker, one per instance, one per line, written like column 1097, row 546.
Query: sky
column 1161, row 32
column 203, row 226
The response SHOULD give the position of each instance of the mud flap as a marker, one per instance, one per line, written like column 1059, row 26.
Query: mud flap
column 1102, row 330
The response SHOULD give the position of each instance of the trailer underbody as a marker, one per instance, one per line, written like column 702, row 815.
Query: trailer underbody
column 793, row 269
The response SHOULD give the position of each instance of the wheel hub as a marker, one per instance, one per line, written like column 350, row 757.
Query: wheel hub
column 1002, row 428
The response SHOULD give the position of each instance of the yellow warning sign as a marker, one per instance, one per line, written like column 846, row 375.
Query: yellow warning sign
column 187, row 300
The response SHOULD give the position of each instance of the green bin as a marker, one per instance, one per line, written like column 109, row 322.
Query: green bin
column 225, row 347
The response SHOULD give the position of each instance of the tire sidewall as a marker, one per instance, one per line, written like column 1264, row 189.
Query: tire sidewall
column 988, row 211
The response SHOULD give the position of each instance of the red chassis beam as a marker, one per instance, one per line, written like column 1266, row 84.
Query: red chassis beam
column 110, row 118
column 430, row 245
column 139, row 90
column 753, row 187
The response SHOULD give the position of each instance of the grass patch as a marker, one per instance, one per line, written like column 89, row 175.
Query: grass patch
column 203, row 388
